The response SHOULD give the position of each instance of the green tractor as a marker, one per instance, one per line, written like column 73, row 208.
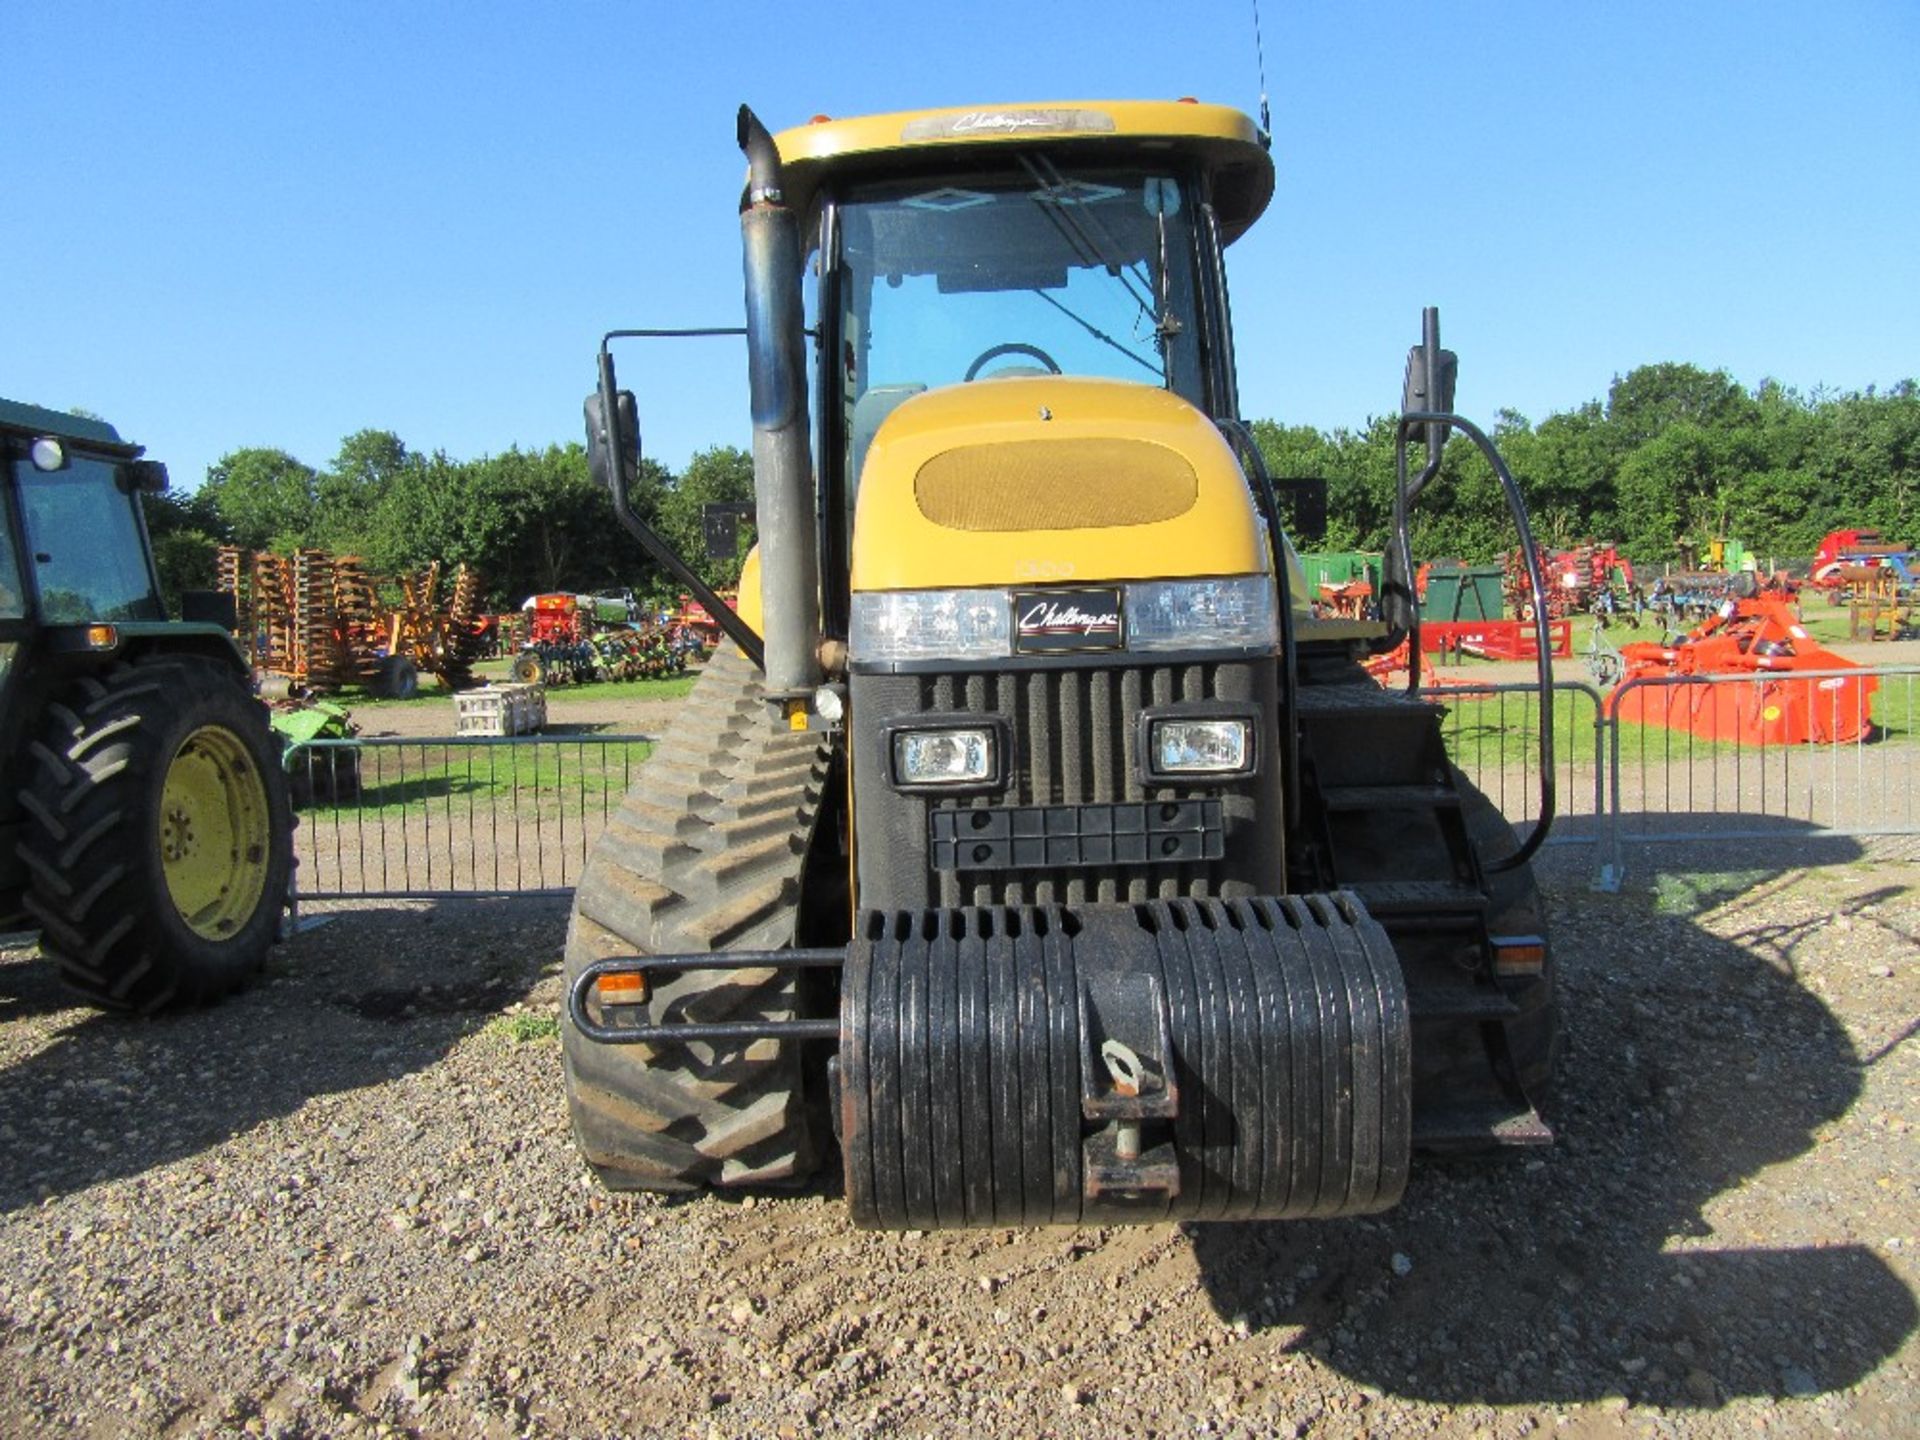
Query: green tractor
column 144, row 824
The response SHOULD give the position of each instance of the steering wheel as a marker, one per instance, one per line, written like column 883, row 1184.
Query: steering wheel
column 1015, row 347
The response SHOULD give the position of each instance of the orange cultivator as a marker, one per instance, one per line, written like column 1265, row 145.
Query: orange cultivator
column 1760, row 638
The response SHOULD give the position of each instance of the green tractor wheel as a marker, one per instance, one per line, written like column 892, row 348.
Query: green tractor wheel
column 160, row 842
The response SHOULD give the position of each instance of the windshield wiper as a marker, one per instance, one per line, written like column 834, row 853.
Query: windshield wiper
column 1097, row 333
column 1087, row 246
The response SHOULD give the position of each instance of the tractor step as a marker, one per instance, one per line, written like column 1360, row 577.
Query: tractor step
column 1459, row 1002
column 1486, row 1126
column 1390, row 797
column 1390, row 900
column 1317, row 702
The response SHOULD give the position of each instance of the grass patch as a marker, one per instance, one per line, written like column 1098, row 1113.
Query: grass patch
column 671, row 687
column 525, row 1027
column 1690, row 893
column 585, row 776
column 1484, row 731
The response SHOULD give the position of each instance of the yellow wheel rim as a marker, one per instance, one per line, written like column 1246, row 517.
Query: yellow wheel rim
column 215, row 833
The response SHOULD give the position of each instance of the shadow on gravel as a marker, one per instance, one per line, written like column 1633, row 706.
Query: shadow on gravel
column 369, row 996
column 1591, row 1270
column 29, row 987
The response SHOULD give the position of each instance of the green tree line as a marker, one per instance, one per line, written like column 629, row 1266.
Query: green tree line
column 527, row 521
column 1674, row 453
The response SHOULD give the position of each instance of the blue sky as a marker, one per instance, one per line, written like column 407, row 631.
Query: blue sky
column 274, row 224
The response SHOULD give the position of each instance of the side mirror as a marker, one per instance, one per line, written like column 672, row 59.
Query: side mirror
column 1425, row 392
column 623, row 442
column 720, row 527
column 1307, row 497
column 211, row 607
column 148, row 477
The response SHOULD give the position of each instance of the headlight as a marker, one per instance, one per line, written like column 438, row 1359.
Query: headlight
column 930, row 625
column 944, row 757
column 1236, row 613
column 1199, row 747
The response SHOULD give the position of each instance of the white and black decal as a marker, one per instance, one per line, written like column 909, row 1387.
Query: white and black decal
column 1045, row 621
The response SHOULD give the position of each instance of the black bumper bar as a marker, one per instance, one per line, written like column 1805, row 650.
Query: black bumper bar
column 732, row 1031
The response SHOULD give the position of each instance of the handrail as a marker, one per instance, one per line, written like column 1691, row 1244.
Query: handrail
column 1403, row 497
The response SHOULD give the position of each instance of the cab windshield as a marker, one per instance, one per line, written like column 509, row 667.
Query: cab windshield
column 84, row 540
column 13, row 591
column 1035, row 271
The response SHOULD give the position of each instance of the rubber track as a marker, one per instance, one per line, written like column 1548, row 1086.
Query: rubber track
column 704, row 855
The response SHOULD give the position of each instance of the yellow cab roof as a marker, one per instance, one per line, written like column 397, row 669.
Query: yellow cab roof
column 1224, row 141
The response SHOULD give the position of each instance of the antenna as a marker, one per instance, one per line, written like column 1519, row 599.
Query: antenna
column 1259, row 50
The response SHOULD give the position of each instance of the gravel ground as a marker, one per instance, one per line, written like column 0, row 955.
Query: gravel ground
column 347, row 1203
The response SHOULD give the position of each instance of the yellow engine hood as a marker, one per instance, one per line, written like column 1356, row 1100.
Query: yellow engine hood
column 1049, row 480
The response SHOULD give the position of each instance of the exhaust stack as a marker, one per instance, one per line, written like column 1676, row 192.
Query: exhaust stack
column 782, row 456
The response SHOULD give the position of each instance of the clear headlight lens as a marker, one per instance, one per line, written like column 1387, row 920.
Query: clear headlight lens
column 930, row 625
column 1236, row 613
column 1199, row 747
column 943, row 757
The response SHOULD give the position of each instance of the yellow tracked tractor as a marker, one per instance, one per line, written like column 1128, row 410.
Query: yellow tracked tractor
column 1032, row 845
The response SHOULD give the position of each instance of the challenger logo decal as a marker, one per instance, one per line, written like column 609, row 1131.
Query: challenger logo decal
column 1051, row 620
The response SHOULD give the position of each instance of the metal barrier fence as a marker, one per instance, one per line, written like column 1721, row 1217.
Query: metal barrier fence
column 439, row 818
column 1669, row 783
column 423, row 819
column 1493, row 734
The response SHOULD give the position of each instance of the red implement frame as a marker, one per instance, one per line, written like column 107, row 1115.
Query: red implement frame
column 1761, row 638
column 1496, row 639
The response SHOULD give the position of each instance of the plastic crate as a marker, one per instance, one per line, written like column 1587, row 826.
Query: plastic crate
column 500, row 710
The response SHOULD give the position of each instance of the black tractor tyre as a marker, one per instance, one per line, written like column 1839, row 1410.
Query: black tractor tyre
column 1514, row 908
column 399, row 678
column 706, row 854
column 528, row 669
column 159, row 839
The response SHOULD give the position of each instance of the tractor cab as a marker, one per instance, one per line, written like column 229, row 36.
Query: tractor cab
column 144, row 827
column 73, row 544
column 955, row 248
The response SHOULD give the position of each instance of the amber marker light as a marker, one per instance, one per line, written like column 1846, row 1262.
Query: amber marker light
column 102, row 637
column 1519, row 955
column 624, row 989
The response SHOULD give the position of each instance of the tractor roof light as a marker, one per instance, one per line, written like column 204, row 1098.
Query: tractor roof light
column 49, row 454
column 103, row 637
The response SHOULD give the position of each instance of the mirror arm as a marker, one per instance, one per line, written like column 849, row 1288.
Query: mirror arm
column 724, row 615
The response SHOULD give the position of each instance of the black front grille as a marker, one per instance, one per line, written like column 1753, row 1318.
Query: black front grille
column 1073, row 730
column 1074, row 741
